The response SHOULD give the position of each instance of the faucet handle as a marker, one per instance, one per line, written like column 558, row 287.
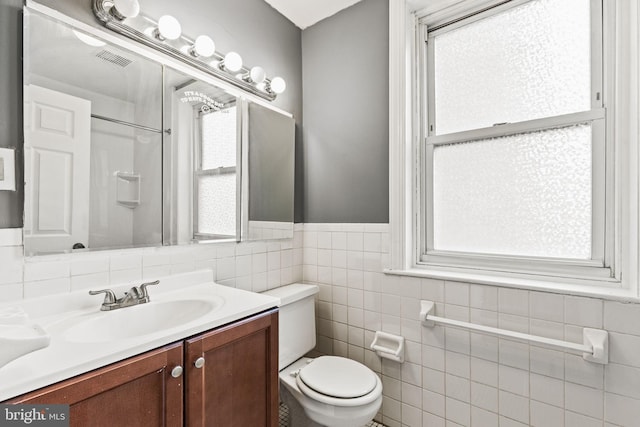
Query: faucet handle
column 109, row 297
column 143, row 288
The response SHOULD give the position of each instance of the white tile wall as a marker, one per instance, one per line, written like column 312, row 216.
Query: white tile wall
column 255, row 266
column 456, row 378
column 450, row 377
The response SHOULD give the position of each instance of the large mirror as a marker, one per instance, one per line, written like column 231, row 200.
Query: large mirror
column 123, row 151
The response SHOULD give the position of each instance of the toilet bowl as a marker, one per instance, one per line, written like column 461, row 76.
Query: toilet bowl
column 333, row 391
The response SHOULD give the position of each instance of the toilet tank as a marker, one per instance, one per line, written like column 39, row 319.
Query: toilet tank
column 296, row 321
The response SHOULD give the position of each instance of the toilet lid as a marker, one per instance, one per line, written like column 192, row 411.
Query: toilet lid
column 338, row 377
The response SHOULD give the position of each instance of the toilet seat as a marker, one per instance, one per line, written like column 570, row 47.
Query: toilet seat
column 339, row 381
column 338, row 377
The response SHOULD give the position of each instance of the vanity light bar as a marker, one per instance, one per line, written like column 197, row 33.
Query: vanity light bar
column 165, row 35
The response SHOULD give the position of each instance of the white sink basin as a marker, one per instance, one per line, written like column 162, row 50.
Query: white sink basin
column 135, row 321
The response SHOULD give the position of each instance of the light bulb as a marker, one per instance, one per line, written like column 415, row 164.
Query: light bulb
column 256, row 75
column 86, row 39
column 232, row 62
column 123, row 9
column 278, row 85
column 168, row 28
column 203, row 46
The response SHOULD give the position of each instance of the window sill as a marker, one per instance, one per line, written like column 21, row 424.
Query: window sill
column 208, row 240
column 623, row 294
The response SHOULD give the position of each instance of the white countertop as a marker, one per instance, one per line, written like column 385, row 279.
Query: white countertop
column 64, row 358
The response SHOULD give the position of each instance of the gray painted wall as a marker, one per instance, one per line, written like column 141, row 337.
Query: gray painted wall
column 251, row 27
column 345, row 62
column 11, row 104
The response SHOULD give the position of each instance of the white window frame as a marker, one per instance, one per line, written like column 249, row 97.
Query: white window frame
column 602, row 254
column 620, row 76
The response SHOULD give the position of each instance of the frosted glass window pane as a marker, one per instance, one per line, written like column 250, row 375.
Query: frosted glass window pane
column 219, row 139
column 217, row 204
column 526, row 195
column 528, row 62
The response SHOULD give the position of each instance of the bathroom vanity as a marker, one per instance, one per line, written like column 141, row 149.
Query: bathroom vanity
column 224, row 377
column 214, row 362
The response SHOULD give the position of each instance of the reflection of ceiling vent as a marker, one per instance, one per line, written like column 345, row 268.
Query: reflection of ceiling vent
column 118, row 60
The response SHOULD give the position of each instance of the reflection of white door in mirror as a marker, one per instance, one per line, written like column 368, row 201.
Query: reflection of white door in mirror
column 57, row 146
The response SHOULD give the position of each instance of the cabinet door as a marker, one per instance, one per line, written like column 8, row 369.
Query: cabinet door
column 238, row 384
column 139, row 391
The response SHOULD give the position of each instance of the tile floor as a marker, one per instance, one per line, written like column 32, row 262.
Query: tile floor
column 284, row 415
column 284, row 418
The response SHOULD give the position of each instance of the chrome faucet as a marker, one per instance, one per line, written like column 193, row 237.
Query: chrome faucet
column 134, row 296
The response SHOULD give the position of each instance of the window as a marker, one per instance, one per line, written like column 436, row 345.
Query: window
column 215, row 175
column 521, row 168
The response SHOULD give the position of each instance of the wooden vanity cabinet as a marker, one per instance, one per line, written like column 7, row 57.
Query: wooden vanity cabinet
column 234, row 383
column 232, row 375
column 139, row 391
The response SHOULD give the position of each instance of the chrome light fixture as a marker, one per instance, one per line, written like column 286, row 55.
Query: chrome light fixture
column 277, row 85
column 231, row 62
column 123, row 9
column 168, row 28
column 255, row 75
column 165, row 35
column 203, row 46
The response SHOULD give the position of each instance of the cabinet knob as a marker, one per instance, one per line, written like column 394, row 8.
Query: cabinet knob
column 199, row 363
column 176, row 372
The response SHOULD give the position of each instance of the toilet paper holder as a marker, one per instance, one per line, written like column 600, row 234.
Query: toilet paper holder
column 388, row 346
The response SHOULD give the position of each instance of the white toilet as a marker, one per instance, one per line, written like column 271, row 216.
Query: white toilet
column 333, row 391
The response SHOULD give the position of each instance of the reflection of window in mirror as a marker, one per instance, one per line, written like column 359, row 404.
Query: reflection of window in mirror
column 215, row 177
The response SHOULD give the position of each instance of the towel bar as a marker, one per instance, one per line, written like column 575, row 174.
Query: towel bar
column 595, row 346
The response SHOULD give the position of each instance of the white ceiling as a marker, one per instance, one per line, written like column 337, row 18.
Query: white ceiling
column 304, row 13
